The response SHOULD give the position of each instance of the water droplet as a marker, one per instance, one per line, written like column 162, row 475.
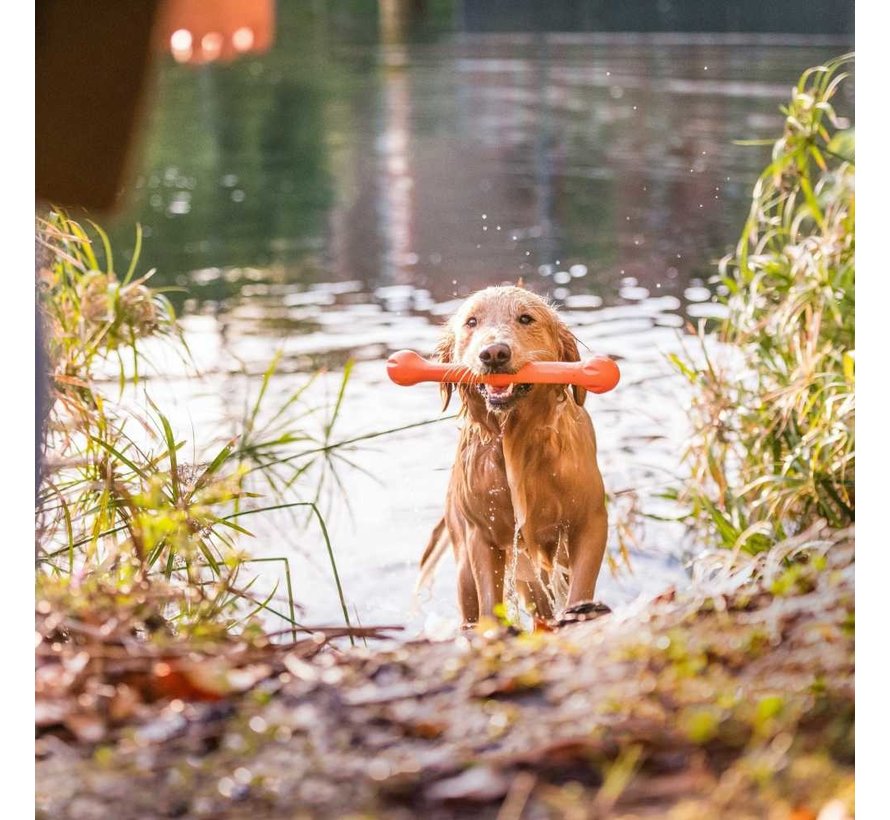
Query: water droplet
column 633, row 293
column 697, row 294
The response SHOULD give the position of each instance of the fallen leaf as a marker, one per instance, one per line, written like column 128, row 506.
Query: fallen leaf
column 86, row 727
column 480, row 784
column 50, row 712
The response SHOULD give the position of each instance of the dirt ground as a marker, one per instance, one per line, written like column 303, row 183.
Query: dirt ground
column 734, row 699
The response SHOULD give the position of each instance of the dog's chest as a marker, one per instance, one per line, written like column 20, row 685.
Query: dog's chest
column 482, row 493
column 551, row 474
column 499, row 495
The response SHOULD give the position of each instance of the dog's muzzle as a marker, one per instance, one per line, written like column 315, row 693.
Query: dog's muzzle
column 500, row 397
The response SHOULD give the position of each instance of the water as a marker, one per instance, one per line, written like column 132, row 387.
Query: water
column 337, row 196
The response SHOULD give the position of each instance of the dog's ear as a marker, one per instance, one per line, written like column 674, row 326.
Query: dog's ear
column 568, row 352
column 444, row 352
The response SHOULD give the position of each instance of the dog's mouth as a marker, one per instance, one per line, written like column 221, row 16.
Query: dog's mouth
column 498, row 398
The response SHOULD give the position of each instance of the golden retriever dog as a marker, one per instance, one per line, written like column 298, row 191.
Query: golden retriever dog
column 525, row 503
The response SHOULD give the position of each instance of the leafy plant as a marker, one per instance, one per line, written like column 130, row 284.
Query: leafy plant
column 90, row 313
column 774, row 400
column 125, row 520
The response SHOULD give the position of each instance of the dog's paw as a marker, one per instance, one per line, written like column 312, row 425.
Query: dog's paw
column 585, row 611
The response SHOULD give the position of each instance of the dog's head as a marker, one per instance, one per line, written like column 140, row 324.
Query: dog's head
column 499, row 330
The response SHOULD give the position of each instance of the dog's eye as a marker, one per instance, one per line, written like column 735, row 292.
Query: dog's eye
column 525, row 319
column 472, row 322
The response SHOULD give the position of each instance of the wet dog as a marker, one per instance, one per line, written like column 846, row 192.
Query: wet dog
column 526, row 501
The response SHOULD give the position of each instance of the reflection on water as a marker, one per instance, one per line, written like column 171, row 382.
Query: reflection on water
column 462, row 159
column 335, row 196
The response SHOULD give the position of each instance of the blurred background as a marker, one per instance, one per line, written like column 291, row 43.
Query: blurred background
column 328, row 179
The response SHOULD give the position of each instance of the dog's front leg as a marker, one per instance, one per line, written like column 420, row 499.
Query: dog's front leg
column 586, row 547
column 467, row 596
column 487, row 561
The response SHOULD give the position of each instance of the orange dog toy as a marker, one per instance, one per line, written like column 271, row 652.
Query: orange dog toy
column 598, row 374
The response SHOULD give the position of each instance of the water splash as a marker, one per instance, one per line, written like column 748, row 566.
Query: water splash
column 555, row 585
column 544, row 583
column 558, row 588
column 511, row 593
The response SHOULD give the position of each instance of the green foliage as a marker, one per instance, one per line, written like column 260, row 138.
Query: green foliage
column 774, row 407
column 125, row 523
column 88, row 312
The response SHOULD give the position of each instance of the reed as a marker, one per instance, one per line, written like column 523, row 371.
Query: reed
column 773, row 411
column 127, row 523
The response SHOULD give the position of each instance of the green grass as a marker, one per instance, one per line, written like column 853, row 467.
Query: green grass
column 126, row 522
column 774, row 401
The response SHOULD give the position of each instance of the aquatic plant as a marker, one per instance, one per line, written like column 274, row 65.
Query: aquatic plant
column 126, row 524
column 774, row 401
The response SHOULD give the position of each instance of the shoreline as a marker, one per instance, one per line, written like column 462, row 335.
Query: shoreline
column 731, row 699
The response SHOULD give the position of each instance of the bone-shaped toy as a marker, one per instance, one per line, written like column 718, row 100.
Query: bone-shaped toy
column 598, row 374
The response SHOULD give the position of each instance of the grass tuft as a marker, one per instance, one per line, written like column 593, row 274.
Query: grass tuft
column 122, row 512
column 774, row 400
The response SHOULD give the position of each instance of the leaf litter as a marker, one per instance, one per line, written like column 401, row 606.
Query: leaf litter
column 734, row 699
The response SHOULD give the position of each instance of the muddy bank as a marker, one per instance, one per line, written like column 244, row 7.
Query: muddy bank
column 733, row 699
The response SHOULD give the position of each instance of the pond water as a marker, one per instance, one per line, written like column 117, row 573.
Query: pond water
column 335, row 197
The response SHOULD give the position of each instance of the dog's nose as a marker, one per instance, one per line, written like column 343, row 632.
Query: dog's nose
column 497, row 354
